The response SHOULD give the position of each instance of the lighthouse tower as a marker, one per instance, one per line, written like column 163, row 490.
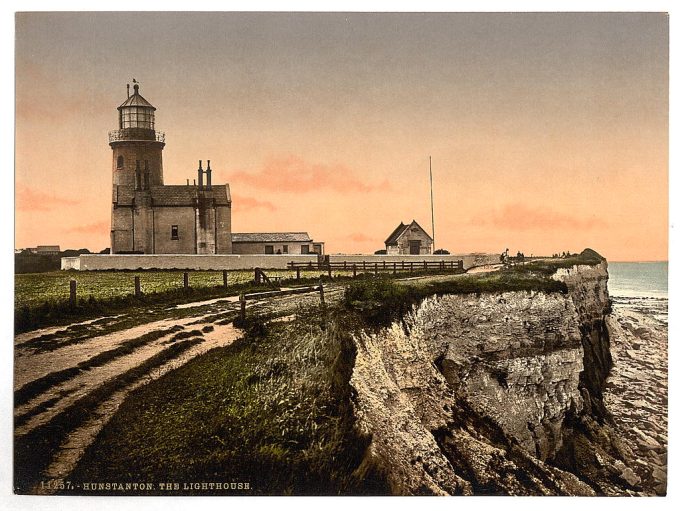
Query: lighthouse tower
column 137, row 166
column 136, row 143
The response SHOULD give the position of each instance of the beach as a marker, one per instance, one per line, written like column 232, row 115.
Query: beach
column 636, row 392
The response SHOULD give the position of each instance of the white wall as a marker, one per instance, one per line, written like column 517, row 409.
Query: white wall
column 188, row 262
column 247, row 262
column 70, row 263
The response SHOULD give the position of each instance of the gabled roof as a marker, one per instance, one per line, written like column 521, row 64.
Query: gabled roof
column 269, row 237
column 392, row 238
column 401, row 229
column 416, row 224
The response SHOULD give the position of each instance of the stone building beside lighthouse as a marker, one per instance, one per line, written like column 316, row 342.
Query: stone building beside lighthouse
column 150, row 217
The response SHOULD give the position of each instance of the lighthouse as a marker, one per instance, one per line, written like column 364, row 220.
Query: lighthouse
column 148, row 216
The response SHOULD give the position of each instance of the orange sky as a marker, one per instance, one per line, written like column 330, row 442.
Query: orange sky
column 547, row 132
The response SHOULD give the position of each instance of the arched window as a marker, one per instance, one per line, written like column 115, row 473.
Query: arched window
column 120, row 163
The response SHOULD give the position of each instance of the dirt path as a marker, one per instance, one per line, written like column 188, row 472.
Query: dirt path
column 73, row 448
column 86, row 369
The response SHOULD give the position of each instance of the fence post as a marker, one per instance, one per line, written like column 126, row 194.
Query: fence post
column 354, row 271
column 73, row 286
column 376, row 269
column 297, row 273
column 225, row 278
column 323, row 300
column 323, row 306
column 411, row 267
column 329, row 271
column 138, row 287
column 186, row 280
column 441, row 265
column 242, row 300
column 425, row 265
column 394, row 268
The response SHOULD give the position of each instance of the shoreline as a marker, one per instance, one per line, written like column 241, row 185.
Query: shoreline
column 636, row 391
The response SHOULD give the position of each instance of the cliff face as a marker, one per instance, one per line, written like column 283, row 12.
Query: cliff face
column 494, row 393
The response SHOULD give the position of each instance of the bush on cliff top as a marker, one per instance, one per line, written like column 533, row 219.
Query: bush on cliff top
column 382, row 301
column 547, row 267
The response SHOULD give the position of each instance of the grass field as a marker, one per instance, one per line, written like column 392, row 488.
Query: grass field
column 33, row 289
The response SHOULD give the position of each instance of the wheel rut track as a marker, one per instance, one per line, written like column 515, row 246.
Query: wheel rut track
column 63, row 403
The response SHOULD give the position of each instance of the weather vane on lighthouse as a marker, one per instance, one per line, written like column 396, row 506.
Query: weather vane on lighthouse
column 134, row 80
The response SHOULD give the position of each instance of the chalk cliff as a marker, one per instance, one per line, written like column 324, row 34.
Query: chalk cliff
column 498, row 393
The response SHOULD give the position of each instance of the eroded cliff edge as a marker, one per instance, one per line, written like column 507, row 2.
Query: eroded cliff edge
column 495, row 393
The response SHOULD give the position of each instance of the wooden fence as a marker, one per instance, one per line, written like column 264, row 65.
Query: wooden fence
column 383, row 266
column 260, row 277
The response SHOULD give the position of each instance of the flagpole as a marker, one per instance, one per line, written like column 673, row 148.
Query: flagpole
column 432, row 205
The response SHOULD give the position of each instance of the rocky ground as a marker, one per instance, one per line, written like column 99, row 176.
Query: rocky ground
column 636, row 393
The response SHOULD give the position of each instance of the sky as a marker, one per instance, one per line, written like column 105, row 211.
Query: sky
column 547, row 132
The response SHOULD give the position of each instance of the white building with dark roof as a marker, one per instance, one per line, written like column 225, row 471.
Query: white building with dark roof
column 409, row 239
column 275, row 243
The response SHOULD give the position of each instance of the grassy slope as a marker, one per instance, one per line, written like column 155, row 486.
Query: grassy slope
column 272, row 410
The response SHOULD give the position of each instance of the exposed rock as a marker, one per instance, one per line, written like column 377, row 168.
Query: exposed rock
column 491, row 393
column 637, row 392
column 630, row 477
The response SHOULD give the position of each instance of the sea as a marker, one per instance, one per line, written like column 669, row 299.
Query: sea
column 640, row 286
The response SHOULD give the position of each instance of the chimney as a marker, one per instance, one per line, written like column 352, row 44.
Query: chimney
column 128, row 90
column 187, row 182
column 208, row 174
column 200, row 174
